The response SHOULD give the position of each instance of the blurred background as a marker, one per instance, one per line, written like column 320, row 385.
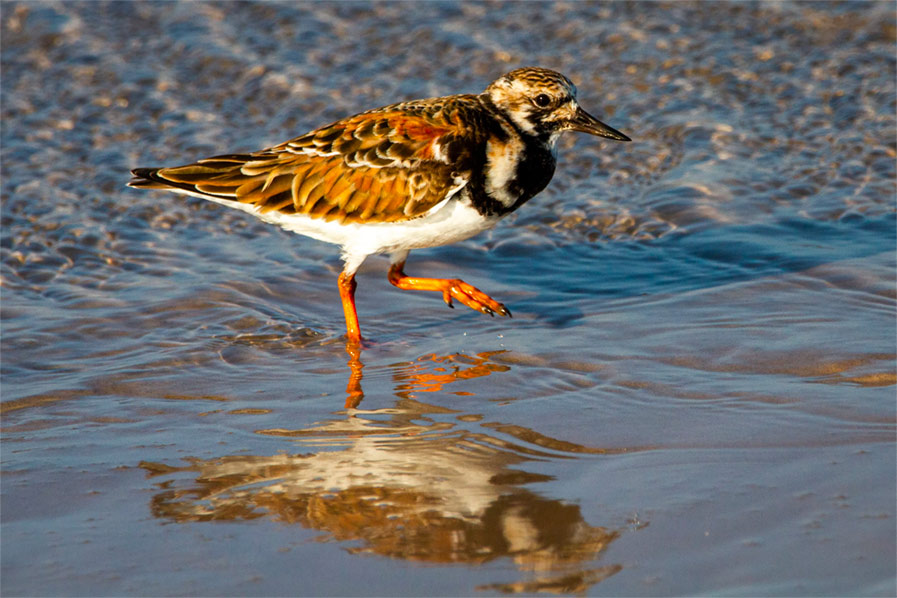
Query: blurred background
column 695, row 394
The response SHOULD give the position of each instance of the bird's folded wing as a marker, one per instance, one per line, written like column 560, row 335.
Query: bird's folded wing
column 379, row 166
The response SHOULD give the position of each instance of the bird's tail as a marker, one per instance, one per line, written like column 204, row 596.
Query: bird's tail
column 216, row 177
column 147, row 178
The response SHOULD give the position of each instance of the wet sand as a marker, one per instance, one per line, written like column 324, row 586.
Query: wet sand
column 696, row 393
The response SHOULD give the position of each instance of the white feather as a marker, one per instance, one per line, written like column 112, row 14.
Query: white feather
column 451, row 220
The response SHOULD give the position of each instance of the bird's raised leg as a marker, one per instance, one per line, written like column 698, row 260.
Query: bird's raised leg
column 347, row 286
column 450, row 288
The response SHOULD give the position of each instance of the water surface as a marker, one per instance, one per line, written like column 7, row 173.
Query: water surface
column 696, row 394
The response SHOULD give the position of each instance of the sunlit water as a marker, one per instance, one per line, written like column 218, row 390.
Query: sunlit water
column 696, row 394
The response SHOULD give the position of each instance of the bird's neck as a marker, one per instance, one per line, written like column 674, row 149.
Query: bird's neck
column 517, row 165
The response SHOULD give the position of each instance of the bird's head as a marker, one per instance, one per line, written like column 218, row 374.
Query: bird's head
column 542, row 102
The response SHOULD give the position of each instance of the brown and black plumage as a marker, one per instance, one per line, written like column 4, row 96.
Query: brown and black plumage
column 406, row 176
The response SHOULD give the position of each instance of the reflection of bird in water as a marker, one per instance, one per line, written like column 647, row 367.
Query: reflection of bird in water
column 407, row 176
column 419, row 377
column 410, row 482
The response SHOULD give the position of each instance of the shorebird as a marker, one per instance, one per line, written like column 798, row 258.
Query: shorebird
column 411, row 175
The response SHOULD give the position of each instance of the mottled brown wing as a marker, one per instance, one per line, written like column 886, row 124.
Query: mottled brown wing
column 379, row 166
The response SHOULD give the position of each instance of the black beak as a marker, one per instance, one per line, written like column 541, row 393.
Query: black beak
column 585, row 122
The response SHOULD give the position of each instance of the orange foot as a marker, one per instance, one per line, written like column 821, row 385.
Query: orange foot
column 467, row 294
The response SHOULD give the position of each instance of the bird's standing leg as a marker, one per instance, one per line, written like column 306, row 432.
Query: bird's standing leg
column 467, row 294
column 354, row 394
column 347, row 286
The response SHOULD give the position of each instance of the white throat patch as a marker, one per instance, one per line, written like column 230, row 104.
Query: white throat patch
column 502, row 159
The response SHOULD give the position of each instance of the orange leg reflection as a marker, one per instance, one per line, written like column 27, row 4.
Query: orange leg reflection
column 428, row 373
column 354, row 394
column 444, row 370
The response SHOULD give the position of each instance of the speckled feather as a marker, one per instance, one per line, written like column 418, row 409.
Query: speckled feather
column 390, row 164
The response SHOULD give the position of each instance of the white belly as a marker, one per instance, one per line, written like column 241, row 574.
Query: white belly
column 449, row 222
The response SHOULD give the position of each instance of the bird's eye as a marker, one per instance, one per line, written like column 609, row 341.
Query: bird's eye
column 542, row 100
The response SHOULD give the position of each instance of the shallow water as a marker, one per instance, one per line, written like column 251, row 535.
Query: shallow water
column 696, row 394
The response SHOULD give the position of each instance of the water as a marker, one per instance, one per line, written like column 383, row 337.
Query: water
column 696, row 394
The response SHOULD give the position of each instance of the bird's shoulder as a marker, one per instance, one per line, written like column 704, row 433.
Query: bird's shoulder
column 400, row 135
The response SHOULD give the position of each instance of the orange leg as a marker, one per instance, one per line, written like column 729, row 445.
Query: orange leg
column 467, row 294
column 347, row 286
column 354, row 394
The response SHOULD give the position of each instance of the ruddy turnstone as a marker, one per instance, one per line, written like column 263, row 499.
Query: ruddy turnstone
column 411, row 175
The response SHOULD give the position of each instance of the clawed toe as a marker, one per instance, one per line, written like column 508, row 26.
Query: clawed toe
column 451, row 288
column 476, row 299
